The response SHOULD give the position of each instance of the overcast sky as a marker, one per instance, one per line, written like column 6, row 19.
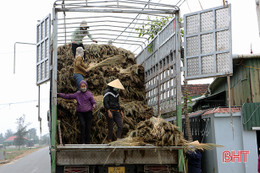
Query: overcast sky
column 19, row 93
column 18, row 24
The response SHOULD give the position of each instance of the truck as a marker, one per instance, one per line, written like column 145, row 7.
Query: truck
column 116, row 21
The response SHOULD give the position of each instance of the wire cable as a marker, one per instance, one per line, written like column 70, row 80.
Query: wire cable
column 22, row 102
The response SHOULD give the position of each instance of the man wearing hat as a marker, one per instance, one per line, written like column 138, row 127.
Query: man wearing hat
column 114, row 111
column 78, row 35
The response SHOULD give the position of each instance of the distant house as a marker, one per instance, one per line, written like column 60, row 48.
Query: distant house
column 10, row 141
column 196, row 90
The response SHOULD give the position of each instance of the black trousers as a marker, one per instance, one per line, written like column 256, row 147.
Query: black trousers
column 75, row 46
column 119, row 122
column 85, row 119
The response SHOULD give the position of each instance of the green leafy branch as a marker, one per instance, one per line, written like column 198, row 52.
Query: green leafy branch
column 152, row 28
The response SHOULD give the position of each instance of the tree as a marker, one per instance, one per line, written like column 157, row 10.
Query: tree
column 45, row 139
column 8, row 134
column 32, row 136
column 1, row 138
column 21, row 132
column 152, row 28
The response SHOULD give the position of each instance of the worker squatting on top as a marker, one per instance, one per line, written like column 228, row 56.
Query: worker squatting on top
column 114, row 111
column 78, row 35
column 85, row 105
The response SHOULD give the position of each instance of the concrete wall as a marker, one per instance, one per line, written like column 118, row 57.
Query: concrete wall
column 220, row 131
column 209, row 158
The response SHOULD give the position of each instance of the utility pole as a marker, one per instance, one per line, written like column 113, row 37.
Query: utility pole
column 258, row 14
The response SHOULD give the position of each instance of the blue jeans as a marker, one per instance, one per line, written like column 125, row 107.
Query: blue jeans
column 78, row 78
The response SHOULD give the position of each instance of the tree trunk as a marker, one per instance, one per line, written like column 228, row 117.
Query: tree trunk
column 185, row 111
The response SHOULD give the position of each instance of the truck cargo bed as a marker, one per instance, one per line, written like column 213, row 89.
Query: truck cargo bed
column 104, row 154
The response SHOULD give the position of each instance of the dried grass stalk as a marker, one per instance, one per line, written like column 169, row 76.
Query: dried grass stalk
column 107, row 62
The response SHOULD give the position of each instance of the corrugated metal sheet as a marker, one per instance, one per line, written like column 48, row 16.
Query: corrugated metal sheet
column 253, row 65
column 251, row 115
column 245, row 82
column 240, row 85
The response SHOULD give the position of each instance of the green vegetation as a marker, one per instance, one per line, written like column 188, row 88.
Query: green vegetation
column 21, row 132
column 152, row 28
column 13, row 153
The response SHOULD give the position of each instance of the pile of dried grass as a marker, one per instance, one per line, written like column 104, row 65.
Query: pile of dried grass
column 106, row 62
column 195, row 145
column 158, row 132
column 155, row 131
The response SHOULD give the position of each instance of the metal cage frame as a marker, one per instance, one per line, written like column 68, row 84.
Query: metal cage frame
column 117, row 21
column 208, row 43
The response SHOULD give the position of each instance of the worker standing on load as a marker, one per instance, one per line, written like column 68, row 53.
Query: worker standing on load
column 80, row 68
column 114, row 111
column 78, row 35
column 85, row 104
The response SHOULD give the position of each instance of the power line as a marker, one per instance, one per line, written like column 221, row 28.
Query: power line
column 200, row 5
column 179, row 2
column 28, row 51
column 188, row 5
column 13, row 103
column 22, row 102
column 182, row 3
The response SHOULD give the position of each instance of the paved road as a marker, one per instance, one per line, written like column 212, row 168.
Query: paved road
column 36, row 162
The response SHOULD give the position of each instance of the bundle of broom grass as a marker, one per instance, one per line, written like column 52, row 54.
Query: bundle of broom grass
column 155, row 131
column 106, row 63
column 158, row 132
